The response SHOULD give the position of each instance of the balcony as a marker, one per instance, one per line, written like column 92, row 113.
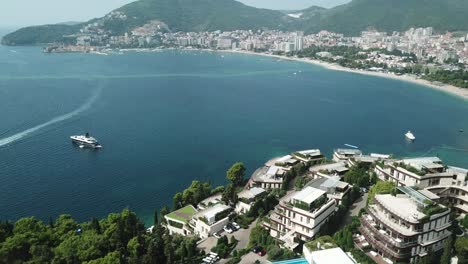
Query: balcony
column 399, row 256
column 371, row 226
column 394, row 226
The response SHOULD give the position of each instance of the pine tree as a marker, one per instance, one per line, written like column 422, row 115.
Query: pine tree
column 447, row 254
column 155, row 218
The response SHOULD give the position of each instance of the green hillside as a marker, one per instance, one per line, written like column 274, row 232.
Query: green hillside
column 201, row 15
column 39, row 35
column 394, row 15
column 179, row 15
column 209, row 15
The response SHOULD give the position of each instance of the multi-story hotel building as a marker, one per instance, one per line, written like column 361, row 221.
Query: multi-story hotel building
column 449, row 183
column 299, row 216
column 405, row 227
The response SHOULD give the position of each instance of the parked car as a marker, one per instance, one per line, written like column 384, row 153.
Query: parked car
column 236, row 225
column 228, row 229
column 256, row 249
column 232, row 227
column 217, row 235
column 262, row 253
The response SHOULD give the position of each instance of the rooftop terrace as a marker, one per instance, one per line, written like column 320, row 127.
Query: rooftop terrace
column 183, row 214
column 308, row 195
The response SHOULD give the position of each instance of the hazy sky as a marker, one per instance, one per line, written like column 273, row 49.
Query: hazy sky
column 34, row 12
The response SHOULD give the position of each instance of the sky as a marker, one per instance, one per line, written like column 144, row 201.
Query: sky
column 16, row 13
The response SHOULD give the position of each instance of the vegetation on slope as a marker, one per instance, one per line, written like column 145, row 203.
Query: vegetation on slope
column 40, row 35
column 119, row 238
column 395, row 15
column 202, row 15
column 225, row 15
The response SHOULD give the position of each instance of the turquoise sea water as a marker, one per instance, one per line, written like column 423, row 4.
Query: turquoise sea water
column 167, row 118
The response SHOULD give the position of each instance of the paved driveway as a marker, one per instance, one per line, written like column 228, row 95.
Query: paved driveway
column 252, row 257
column 241, row 235
column 354, row 209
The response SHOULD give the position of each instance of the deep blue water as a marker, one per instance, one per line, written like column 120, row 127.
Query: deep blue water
column 170, row 117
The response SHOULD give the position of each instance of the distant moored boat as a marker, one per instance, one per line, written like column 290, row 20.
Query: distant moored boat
column 410, row 136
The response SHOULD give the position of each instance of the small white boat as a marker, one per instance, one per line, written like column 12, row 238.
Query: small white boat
column 410, row 136
column 86, row 141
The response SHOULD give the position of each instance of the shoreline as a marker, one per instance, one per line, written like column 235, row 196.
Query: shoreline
column 446, row 88
column 450, row 89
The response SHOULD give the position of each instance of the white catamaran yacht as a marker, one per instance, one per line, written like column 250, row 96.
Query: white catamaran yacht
column 86, row 141
column 410, row 136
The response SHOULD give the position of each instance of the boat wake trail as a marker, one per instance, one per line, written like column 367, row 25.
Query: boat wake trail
column 81, row 109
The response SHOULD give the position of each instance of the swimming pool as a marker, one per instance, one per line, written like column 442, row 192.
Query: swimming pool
column 293, row 261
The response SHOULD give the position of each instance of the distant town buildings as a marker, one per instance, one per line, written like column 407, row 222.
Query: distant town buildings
column 428, row 46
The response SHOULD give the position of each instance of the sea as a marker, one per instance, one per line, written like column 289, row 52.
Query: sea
column 166, row 118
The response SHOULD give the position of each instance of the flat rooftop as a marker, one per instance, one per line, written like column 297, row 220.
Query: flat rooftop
column 262, row 175
column 349, row 151
column 311, row 152
column 329, row 256
column 401, row 205
column 308, row 195
column 425, row 162
column 334, row 182
column 338, row 166
column 211, row 212
column 251, row 193
column 183, row 214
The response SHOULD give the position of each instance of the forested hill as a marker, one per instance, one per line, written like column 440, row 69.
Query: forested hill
column 225, row 15
column 385, row 15
column 179, row 15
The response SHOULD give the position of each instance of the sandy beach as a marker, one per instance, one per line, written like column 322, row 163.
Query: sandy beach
column 460, row 92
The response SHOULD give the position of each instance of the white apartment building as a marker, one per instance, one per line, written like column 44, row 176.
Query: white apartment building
column 299, row 216
column 177, row 221
column 247, row 198
column 210, row 220
column 345, row 154
column 405, row 227
column 449, row 183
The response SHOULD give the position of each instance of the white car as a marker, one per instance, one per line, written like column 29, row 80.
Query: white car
column 236, row 225
column 217, row 235
column 228, row 229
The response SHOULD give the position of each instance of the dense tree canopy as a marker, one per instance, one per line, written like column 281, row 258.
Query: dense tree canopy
column 119, row 238
column 236, row 174
column 359, row 176
column 193, row 195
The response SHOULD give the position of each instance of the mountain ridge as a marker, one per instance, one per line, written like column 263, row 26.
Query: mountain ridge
column 227, row 15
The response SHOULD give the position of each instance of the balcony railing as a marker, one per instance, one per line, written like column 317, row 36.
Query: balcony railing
column 383, row 247
column 370, row 226
column 396, row 227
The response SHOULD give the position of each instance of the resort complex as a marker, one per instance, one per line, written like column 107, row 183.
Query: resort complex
column 405, row 221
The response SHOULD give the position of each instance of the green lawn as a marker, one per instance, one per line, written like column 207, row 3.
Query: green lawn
column 183, row 214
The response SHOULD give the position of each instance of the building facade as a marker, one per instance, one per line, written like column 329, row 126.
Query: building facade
column 405, row 227
column 299, row 216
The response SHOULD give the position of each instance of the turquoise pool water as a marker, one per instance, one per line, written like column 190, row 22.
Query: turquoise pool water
column 293, row 261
